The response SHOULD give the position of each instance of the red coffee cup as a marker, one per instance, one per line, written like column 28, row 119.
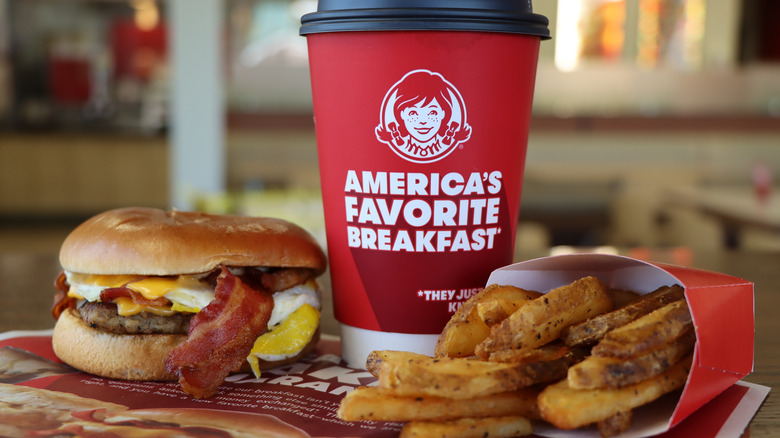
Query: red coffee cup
column 421, row 115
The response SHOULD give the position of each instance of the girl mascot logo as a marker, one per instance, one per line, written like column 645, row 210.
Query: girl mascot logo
column 423, row 117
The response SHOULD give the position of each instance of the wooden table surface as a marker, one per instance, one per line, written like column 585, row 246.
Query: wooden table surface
column 26, row 293
column 734, row 207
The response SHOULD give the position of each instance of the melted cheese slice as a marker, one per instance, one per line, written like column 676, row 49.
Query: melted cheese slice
column 186, row 292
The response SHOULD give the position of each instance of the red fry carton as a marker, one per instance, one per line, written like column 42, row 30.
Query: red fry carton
column 722, row 308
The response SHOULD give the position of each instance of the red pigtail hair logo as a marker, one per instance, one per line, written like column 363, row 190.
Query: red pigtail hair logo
column 423, row 117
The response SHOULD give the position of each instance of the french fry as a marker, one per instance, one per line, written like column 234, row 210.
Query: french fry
column 548, row 363
column 610, row 372
column 622, row 297
column 376, row 357
column 591, row 331
column 615, row 424
column 647, row 333
column 542, row 319
column 383, row 404
column 466, row 329
column 497, row 427
column 492, row 312
column 568, row 408
column 501, row 347
column 453, row 377
column 552, row 351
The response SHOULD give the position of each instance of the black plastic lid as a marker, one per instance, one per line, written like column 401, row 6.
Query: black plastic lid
column 507, row 16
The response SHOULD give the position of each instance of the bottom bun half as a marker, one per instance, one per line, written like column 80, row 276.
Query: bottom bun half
column 128, row 357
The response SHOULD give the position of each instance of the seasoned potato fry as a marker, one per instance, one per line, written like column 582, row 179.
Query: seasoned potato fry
column 611, row 372
column 615, row 424
column 548, row 363
column 591, row 331
column 466, row 329
column 492, row 312
column 376, row 357
column 552, row 351
column 384, row 404
column 582, row 354
column 622, row 297
column 647, row 333
column 568, row 408
column 496, row 427
column 453, row 377
column 542, row 319
column 459, row 339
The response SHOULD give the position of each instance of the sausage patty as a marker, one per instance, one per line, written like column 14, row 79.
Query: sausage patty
column 105, row 316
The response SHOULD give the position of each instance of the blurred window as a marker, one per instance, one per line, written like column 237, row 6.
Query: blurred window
column 647, row 33
column 589, row 30
column 670, row 32
column 267, row 31
column 267, row 59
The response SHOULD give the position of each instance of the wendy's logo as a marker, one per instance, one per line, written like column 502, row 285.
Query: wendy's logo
column 423, row 117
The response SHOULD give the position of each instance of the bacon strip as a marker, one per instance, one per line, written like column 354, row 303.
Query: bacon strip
column 220, row 337
column 285, row 278
column 61, row 300
column 109, row 295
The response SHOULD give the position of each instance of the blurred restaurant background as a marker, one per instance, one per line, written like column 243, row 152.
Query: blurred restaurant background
column 656, row 123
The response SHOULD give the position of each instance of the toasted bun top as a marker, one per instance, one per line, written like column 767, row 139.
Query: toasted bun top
column 148, row 241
